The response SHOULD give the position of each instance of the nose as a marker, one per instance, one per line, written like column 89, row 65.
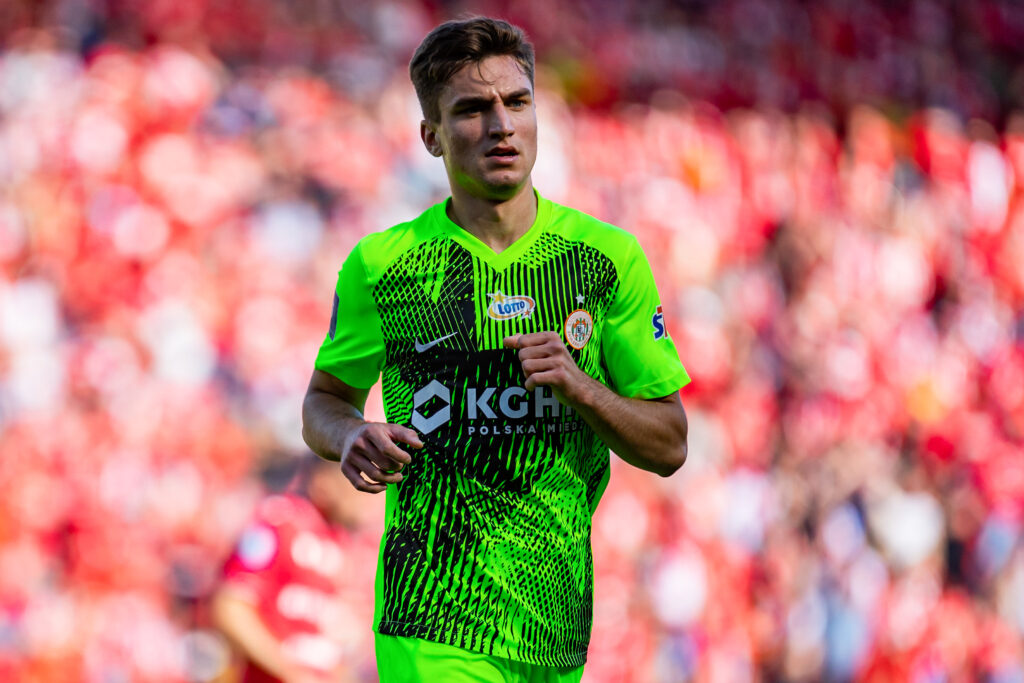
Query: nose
column 501, row 122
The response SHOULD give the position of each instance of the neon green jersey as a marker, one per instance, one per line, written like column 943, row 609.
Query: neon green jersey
column 487, row 538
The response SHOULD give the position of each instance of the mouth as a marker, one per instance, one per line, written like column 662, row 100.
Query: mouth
column 503, row 153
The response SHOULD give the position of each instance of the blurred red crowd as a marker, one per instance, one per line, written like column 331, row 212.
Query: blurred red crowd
column 846, row 292
column 899, row 55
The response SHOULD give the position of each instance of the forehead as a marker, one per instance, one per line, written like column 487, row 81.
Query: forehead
column 492, row 76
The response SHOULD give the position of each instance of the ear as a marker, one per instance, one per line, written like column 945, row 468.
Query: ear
column 430, row 139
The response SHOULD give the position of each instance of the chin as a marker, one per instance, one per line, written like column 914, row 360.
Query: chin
column 506, row 185
column 502, row 192
column 494, row 186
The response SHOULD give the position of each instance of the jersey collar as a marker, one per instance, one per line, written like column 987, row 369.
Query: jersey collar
column 475, row 246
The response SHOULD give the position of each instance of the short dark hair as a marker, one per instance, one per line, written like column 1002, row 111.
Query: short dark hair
column 453, row 45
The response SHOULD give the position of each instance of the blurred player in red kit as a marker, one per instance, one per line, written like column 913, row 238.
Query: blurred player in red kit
column 289, row 601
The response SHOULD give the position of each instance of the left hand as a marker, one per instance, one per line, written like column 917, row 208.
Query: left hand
column 546, row 362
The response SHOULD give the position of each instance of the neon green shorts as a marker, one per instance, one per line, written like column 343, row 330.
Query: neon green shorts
column 412, row 660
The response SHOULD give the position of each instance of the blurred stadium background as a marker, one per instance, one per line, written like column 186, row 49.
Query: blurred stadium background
column 832, row 196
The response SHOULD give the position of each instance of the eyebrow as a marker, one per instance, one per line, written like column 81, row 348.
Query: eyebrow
column 473, row 100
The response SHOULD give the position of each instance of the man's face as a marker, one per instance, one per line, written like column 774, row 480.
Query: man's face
column 487, row 134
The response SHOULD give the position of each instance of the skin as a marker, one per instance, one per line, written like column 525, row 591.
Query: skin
column 487, row 108
column 646, row 433
column 240, row 622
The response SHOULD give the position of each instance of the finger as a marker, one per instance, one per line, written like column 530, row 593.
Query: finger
column 357, row 481
column 544, row 350
column 532, row 339
column 364, row 470
column 535, row 365
column 511, row 342
column 373, row 472
column 405, row 435
column 549, row 378
column 386, row 447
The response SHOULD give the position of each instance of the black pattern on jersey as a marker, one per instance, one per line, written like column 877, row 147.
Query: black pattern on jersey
column 489, row 547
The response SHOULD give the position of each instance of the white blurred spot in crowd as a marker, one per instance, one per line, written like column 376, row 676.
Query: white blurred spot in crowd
column 990, row 182
column 99, row 140
column 679, row 587
column 288, row 230
column 909, row 526
column 179, row 345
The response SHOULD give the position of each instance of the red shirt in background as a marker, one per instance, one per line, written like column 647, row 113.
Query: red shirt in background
column 289, row 562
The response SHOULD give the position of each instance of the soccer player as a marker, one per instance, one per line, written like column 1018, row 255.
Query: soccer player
column 518, row 340
column 288, row 585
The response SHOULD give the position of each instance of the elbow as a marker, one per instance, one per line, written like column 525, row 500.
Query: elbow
column 307, row 433
column 675, row 460
column 676, row 456
column 305, row 438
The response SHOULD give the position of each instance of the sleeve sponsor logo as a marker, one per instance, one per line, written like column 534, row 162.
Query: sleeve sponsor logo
column 578, row 328
column 257, row 547
column 658, row 321
column 506, row 307
column 334, row 317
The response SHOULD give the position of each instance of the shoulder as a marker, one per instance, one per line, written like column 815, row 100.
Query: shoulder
column 276, row 511
column 617, row 244
column 379, row 249
column 286, row 514
column 266, row 532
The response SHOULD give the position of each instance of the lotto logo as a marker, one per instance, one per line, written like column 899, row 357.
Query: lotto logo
column 658, row 321
column 506, row 307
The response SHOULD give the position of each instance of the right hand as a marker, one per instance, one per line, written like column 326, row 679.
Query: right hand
column 373, row 460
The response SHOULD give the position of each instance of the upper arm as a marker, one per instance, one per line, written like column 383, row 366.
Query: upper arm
column 641, row 358
column 353, row 349
column 676, row 403
column 674, row 416
column 325, row 383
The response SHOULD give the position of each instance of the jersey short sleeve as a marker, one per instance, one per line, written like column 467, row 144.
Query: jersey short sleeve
column 353, row 350
column 642, row 360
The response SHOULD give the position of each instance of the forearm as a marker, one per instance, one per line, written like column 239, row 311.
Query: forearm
column 241, row 625
column 327, row 421
column 649, row 434
column 333, row 427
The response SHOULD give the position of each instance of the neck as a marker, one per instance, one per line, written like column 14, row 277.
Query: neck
column 495, row 223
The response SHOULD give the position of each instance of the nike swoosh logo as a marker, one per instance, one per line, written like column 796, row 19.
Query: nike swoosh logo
column 420, row 348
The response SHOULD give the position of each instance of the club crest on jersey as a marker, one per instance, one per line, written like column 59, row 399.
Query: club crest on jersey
column 658, row 321
column 504, row 307
column 578, row 328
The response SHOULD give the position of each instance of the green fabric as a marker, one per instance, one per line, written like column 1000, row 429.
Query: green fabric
column 411, row 660
column 487, row 538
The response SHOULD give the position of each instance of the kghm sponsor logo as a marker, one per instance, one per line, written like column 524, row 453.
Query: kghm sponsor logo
column 504, row 307
column 494, row 410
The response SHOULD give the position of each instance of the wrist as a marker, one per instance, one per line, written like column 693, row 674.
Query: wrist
column 582, row 393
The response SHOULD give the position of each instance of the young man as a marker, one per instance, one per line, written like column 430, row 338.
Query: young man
column 291, row 582
column 518, row 341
